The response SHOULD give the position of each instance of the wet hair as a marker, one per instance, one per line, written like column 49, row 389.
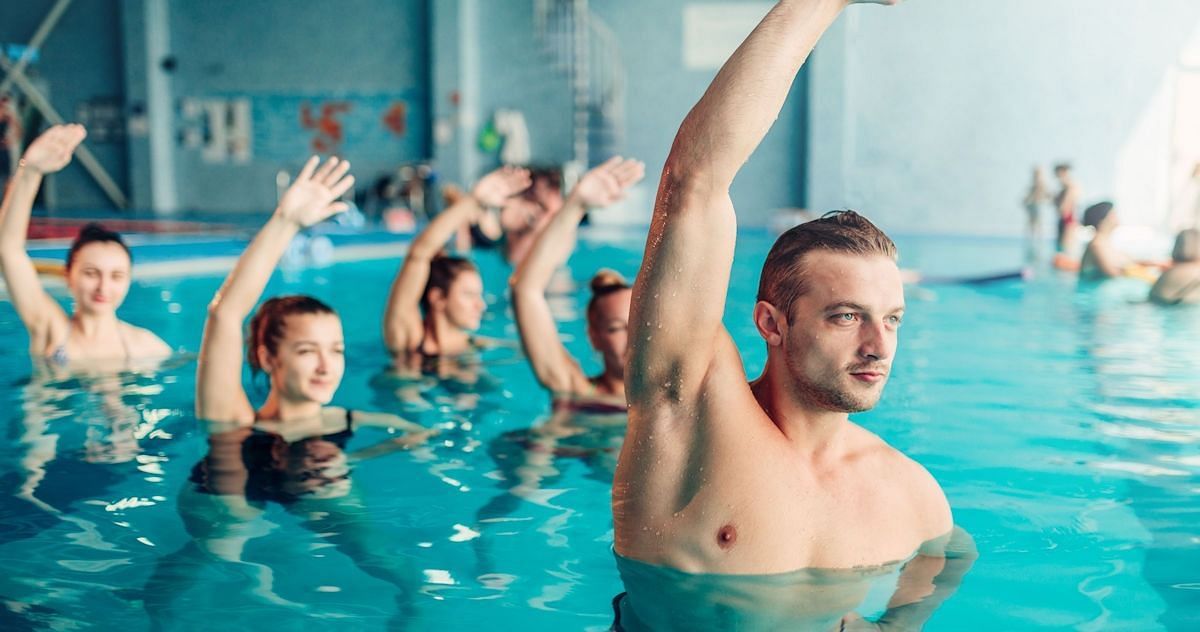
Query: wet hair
column 443, row 270
column 1062, row 166
column 783, row 278
column 266, row 328
column 552, row 176
column 1187, row 246
column 1096, row 213
column 603, row 283
column 92, row 233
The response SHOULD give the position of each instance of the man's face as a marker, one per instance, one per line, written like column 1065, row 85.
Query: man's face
column 840, row 340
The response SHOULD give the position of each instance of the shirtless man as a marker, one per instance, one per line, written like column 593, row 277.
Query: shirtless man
column 721, row 476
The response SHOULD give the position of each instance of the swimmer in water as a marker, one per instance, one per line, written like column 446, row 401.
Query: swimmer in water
column 98, row 271
column 607, row 311
column 436, row 301
column 718, row 475
column 1101, row 259
column 296, row 340
column 1181, row 282
column 525, row 215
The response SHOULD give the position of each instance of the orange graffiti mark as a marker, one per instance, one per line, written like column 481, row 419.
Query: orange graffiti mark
column 395, row 119
column 329, row 132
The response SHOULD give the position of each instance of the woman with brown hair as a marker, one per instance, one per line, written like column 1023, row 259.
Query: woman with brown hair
column 607, row 311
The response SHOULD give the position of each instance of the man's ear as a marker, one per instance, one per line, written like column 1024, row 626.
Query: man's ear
column 770, row 323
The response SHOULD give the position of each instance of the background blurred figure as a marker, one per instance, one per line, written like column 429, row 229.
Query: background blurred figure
column 1101, row 258
column 1066, row 202
column 524, row 216
column 1196, row 202
column 607, row 311
column 10, row 137
column 1181, row 282
column 1034, row 199
column 99, row 268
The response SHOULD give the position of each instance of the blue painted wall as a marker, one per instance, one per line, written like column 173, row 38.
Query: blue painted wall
column 285, row 54
column 81, row 60
column 518, row 73
column 515, row 72
column 929, row 115
column 662, row 91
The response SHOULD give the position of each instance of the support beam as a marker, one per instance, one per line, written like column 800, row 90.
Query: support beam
column 85, row 155
column 35, row 44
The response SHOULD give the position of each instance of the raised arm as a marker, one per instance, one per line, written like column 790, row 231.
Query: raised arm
column 679, row 296
column 552, row 364
column 311, row 198
column 402, row 318
column 49, row 153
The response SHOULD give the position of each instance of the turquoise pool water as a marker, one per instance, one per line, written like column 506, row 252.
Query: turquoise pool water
column 1062, row 422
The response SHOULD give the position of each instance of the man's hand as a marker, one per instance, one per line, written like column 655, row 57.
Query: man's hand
column 52, row 151
column 311, row 197
column 493, row 189
column 608, row 182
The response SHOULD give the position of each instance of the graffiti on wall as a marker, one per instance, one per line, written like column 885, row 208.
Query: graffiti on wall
column 322, row 120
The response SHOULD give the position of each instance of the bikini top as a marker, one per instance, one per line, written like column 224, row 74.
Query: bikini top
column 59, row 356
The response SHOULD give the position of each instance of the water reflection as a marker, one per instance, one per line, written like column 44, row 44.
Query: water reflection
column 1147, row 410
column 899, row 596
column 305, row 469
column 77, row 435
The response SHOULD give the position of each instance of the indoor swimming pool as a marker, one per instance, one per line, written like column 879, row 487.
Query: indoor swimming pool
column 1062, row 420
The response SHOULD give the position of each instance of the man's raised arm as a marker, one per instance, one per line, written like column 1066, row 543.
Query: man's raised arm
column 679, row 296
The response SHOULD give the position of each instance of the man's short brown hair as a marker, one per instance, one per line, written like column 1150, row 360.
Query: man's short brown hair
column 783, row 278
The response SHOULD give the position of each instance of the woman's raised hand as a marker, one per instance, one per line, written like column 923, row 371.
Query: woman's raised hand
column 52, row 151
column 496, row 187
column 312, row 196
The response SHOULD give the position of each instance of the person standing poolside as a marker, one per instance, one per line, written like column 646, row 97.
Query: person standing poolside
column 607, row 311
column 436, row 301
column 1034, row 198
column 99, row 268
column 1066, row 203
column 718, row 475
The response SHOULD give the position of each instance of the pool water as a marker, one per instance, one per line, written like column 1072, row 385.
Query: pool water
column 1062, row 421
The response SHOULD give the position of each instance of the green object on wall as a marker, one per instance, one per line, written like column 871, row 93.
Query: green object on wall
column 489, row 140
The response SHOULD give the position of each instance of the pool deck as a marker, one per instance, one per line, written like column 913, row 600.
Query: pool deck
column 173, row 255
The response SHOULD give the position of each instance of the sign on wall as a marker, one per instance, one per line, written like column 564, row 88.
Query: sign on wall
column 372, row 127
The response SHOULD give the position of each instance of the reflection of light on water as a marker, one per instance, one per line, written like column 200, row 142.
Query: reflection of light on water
column 93, row 566
column 128, row 503
column 1137, row 468
column 462, row 533
column 150, row 464
column 1141, row 432
column 439, row 576
column 435, row 579
column 498, row 582
column 328, row 589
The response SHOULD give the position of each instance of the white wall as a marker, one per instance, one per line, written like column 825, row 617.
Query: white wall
column 929, row 116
